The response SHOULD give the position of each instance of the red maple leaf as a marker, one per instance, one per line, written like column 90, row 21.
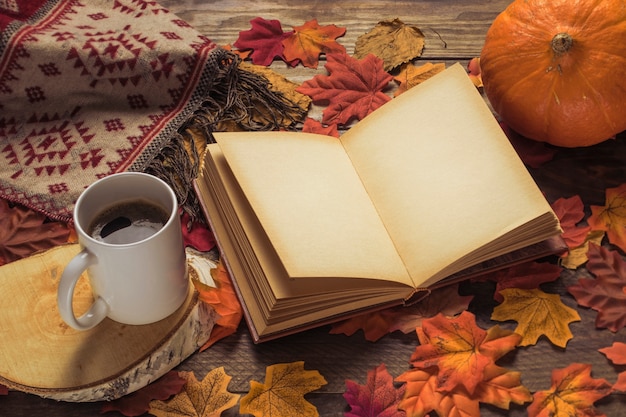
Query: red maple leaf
column 224, row 301
column 570, row 212
column 353, row 88
column 197, row 235
column 138, row 402
column 265, row 39
column 313, row 126
column 526, row 276
column 605, row 293
column 24, row 231
column 378, row 397
column 308, row 41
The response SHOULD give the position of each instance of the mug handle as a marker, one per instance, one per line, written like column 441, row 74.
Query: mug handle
column 98, row 310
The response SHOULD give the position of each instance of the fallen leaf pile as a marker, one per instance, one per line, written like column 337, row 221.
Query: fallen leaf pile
column 454, row 368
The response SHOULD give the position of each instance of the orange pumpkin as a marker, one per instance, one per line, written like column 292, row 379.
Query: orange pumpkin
column 555, row 70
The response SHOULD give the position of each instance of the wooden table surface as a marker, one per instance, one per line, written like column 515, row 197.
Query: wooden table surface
column 454, row 31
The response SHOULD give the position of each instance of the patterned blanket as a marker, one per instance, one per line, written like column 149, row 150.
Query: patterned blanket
column 91, row 88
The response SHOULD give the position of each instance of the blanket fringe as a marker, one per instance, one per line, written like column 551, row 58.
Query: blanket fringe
column 237, row 100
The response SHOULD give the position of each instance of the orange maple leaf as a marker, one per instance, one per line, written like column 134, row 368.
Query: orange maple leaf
column 411, row 75
column 198, row 399
column 224, row 300
column 423, row 396
column 572, row 393
column 611, row 217
column 282, row 394
column 460, row 349
column 310, row 40
column 499, row 387
column 617, row 355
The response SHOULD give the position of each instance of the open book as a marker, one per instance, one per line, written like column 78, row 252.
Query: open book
column 414, row 196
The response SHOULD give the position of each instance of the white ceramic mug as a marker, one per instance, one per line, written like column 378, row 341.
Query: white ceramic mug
column 135, row 283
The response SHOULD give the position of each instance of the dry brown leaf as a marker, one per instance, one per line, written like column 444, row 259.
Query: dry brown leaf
column 392, row 41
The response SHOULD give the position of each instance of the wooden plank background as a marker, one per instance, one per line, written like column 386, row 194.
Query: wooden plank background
column 454, row 31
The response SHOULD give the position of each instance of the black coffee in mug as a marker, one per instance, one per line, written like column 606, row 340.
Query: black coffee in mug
column 128, row 222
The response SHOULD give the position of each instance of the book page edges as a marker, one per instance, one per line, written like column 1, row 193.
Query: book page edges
column 312, row 205
column 260, row 331
column 248, row 278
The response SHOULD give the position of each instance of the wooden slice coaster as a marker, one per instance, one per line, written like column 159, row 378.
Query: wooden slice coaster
column 40, row 354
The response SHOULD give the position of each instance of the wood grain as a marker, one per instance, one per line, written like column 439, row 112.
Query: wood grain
column 454, row 31
column 41, row 354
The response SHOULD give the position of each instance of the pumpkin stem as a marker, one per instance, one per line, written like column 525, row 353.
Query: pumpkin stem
column 561, row 43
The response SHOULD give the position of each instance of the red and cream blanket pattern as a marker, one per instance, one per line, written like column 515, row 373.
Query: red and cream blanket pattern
column 91, row 88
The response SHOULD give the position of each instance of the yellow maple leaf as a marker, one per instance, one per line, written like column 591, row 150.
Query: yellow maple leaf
column 198, row 399
column 392, row 41
column 282, row 394
column 611, row 217
column 536, row 313
column 411, row 75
